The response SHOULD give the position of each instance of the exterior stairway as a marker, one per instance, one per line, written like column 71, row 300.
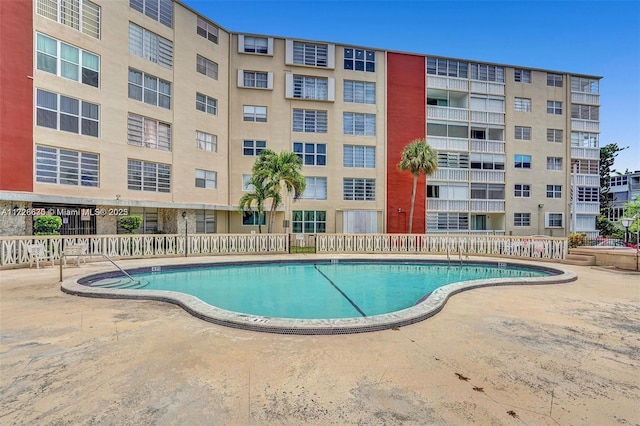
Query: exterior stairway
column 580, row 259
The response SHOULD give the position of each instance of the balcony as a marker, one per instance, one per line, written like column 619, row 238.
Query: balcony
column 446, row 113
column 585, row 98
column 448, row 83
column 589, row 153
column 486, row 87
column 448, row 144
column 487, row 176
column 586, row 207
column 481, row 145
column 434, row 204
column 585, row 125
column 451, row 175
column 487, row 206
column 587, row 180
column 487, row 117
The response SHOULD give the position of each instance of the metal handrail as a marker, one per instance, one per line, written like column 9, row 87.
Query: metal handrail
column 62, row 255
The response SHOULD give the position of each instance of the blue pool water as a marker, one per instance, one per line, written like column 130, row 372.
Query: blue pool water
column 318, row 290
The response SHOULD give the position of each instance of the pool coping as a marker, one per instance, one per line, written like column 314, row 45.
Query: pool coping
column 427, row 307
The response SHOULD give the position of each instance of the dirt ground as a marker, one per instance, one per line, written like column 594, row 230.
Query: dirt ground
column 564, row 354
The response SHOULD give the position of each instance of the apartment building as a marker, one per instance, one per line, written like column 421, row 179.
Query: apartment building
column 148, row 107
column 624, row 188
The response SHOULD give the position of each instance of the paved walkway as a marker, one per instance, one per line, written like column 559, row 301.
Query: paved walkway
column 537, row 355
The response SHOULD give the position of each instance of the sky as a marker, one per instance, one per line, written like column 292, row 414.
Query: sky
column 600, row 38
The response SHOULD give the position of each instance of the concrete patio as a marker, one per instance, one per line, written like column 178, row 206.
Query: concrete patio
column 538, row 355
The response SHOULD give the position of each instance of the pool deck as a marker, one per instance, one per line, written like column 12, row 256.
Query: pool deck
column 539, row 355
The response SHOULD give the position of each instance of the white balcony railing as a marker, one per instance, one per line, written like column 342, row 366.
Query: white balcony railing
column 489, row 206
column 448, row 83
column 585, row 125
column 486, row 87
column 487, row 117
column 585, row 98
column 587, row 207
column 447, row 113
column 481, row 145
column 488, row 176
column 580, row 152
column 448, row 144
column 588, row 180
column 434, row 204
column 456, row 175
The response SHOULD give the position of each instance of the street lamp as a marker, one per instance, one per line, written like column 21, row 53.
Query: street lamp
column 626, row 222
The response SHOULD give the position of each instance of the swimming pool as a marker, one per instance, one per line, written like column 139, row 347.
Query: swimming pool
column 314, row 296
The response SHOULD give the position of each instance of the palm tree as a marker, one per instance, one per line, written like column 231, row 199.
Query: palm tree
column 259, row 194
column 418, row 158
column 273, row 171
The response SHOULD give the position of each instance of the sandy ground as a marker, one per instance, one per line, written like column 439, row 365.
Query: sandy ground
column 565, row 354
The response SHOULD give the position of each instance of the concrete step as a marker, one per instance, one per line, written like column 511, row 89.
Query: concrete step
column 580, row 259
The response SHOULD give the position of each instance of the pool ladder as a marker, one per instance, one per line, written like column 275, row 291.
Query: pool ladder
column 459, row 255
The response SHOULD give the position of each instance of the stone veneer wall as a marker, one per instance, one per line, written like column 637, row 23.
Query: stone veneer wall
column 12, row 225
column 108, row 224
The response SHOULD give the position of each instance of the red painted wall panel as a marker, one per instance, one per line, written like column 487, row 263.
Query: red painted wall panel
column 16, row 96
column 406, row 121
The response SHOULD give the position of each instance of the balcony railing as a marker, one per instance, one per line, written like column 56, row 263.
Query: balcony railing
column 448, row 83
column 585, row 98
column 585, row 125
column 488, row 206
column 481, row 145
column 587, row 207
column 434, row 204
column 448, row 144
column 589, row 153
column 487, row 117
column 456, row 175
column 587, row 180
column 486, row 87
column 488, row 176
column 447, row 113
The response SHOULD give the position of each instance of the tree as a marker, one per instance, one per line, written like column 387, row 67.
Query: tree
column 130, row 223
column 418, row 158
column 631, row 209
column 258, row 195
column 608, row 154
column 273, row 171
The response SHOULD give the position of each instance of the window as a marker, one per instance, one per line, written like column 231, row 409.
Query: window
column 309, row 121
column 305, row 87
column 149, row 220
column 522, row 161
column 446, row 67
column 359, row 92
column 586, row 140
column 256, row 79
column 255, row 45
column 359, row 156
column 311, row 154
column 484, row 161
column 67, row 167
column 149, row 133
column 67, row 114
column 310, row 54
column 205, row 221
column 206, row 104
column 316, row 188
column 150, row 46
column 486, row 103
column 522, row 104
column 253, row 219
column 149, row 89
column 487, row 191
column 522, row 133
column 359, row 189
column 254, row 113
column 359, row 60
column 448, row 192
column 206, row 179
column 522, row 76
column 207, row 30
column 586, row 167
column 554, row 220
column 487, row 73
column 246, row 183
column 147, row 176
column 522, row 219
column 521, row 190
column 67, row 61
column 81, row 15
column 159, row 10
column 206, row 67
column 455, row 160
column 447, row 221
column 585, row 112
column 479, row 133
column 585, row 85
column 554, row 163
column 359, row 124
column 253, row 148
column 554, row 80
column 588, row 194
column 554, row 107
column 554, row 135
column 554, row 191
column 309, row 221
column 206, row 141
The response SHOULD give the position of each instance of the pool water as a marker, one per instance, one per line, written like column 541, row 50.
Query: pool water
column 320, row 290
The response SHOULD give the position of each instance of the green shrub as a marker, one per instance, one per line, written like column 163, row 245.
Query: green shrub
column 47, row 225
column 130, row 223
